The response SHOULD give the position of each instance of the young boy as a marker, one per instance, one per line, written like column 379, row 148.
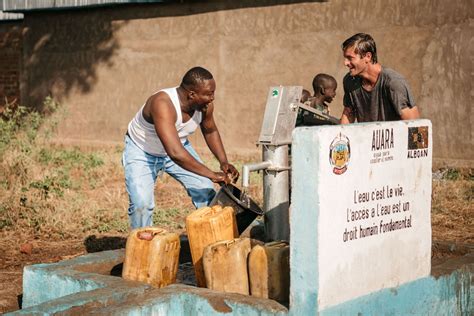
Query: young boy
column 324, row 87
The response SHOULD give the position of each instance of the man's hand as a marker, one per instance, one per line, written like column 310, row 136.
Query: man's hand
column 220, row 177
column 230, row 171
column 347, row 116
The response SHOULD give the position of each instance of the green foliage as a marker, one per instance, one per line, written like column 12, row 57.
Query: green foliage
column 456, row 174
column 68, row 158
column 452, row 174
column 19, row 125
column 10, row 123
column 41, row 184
column 170, row 217
column 5, row 218
column 50, row 105
column 54, row 184
column 106, row 221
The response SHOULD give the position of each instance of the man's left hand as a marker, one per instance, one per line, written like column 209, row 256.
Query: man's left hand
column 230, row 171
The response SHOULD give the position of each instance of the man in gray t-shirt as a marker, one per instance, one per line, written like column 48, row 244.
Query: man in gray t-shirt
column 372, row 92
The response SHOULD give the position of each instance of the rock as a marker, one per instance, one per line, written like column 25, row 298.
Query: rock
column 26, row 248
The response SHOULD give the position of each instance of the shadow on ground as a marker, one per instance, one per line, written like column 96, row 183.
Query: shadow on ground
column 97, row 244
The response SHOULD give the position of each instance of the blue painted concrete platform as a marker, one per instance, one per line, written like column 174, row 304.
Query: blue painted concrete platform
column 77, row 286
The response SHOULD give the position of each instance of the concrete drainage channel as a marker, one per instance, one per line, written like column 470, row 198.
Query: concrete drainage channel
column 87, row 284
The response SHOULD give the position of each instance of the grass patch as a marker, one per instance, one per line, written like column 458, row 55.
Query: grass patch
column 50, row 190
column 170, row 218
column 452, row 206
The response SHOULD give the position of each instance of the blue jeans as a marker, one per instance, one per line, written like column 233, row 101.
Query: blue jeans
column 141, row 171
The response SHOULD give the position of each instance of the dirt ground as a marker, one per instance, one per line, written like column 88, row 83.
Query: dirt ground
column 15, row 252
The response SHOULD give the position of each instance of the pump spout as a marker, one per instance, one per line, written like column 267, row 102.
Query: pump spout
column 247, row 168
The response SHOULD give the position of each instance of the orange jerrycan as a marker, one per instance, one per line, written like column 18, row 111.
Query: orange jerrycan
column 151, row 256
column 225, row 265
column 206, row 226
column 269, row 271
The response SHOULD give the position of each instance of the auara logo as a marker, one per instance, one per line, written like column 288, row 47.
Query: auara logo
column 339, row 154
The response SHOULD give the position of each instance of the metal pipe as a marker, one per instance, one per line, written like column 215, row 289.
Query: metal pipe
column 247, row 168
column 276, row 193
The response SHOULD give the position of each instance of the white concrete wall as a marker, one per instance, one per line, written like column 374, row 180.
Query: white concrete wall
column 368, row 197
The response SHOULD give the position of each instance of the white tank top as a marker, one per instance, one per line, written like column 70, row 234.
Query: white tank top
column 143, row 134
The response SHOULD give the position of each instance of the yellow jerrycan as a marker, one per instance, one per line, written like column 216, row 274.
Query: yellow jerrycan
column 151, row 256
column 225, row 265
column 269, row 271
column 206, row 226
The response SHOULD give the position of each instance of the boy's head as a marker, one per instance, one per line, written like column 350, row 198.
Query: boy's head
column 325, row 85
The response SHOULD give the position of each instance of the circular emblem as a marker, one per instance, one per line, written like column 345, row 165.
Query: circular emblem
column 339, row 153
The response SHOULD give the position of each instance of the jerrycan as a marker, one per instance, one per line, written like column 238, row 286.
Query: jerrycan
column 225, row 265
column 151, row 256
column 206, row 226
column 269, row 271
column 230, row 195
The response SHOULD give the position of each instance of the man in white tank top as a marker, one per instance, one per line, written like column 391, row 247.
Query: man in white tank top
column 156, row 141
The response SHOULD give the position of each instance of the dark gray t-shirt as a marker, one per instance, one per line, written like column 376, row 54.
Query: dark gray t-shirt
column 390, row 95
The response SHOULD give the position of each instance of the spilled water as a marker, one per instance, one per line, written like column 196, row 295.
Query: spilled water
column 185, row 274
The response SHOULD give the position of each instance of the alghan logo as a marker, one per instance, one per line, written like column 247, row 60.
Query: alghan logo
column 417, row 142
column 339, row 153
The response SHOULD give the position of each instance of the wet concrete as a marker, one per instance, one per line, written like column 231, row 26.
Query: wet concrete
column 448, row 257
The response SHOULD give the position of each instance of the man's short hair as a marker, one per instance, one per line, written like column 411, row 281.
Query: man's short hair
column 322, row 80
column 363, row 44
column 195, row 76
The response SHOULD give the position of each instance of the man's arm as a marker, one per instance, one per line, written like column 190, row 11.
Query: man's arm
column 402, row 99
column 164, row 117
column 347, row 116
column 214, row 142
column 410, row 113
